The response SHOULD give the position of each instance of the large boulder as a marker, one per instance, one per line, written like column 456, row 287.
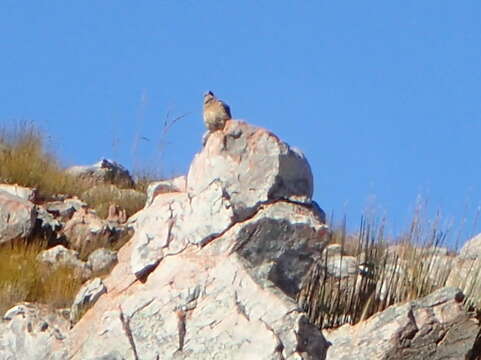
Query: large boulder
column 253, row 165
column 17, row 217
column 432, row 328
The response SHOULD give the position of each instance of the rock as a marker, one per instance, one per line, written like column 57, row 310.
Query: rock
column 47, row 223
column 176, row 220
column 253, row 167
column 472, row 248
column 102, row 260
column 17, row 217
column 65, row 209
column 195, row 305
column 332, row 250
column 464, row 273
column 342, row 266
column 33, row 331
column 85, row 232
column 178, row 184
column 434, row 327
column 24, row 193
column 60, row 256
column 88, row 294
column 116, row 214
column 280, row 243
column 103, row 172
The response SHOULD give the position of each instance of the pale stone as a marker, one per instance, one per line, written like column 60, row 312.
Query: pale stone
column 253, row 166
column 177, row 184
column 22, row 192
column 17, row 217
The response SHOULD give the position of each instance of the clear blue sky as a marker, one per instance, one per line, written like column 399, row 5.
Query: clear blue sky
column 384, row 97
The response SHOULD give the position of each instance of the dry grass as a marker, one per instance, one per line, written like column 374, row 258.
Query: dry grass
column 389, row 272
column 101, row 196
column 23, row 278
column 26, row 162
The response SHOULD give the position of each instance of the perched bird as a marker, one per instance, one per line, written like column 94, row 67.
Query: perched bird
column 216, row 112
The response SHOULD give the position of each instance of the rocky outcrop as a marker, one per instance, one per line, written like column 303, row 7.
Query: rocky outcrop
column 253, row 166
column 212, row 273
column 17, row 217
column 103, row 172
column 435, row 327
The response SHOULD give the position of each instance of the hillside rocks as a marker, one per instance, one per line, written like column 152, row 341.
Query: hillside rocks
column 31, row 331
column 17, row 217
column 213, row 268
column 435, row 327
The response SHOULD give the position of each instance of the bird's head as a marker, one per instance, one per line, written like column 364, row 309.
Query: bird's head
column 208, row 96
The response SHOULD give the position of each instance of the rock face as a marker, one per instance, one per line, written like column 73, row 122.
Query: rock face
column 435, row 327
column 212, row 272
column 17, row 217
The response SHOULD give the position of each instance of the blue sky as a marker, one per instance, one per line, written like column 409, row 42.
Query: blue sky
column 382, row 96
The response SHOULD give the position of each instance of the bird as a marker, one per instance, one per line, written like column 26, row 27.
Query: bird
column 216, row 112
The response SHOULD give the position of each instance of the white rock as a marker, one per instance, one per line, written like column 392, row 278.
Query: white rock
column 22, row 192
column 17, row 217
